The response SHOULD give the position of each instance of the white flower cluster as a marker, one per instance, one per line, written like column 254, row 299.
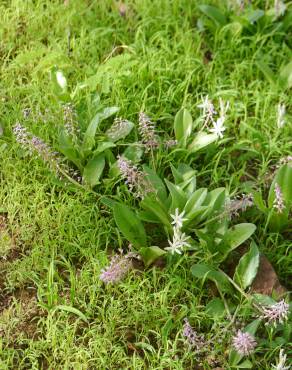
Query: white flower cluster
column 179, row 239
column 209, row 114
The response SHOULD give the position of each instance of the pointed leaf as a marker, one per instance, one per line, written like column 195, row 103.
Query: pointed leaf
column 286, row 75
column 119, row 130
column 67, row 148
column 130, row 225
column 133, row 153
column 73, row 310
column 196, row 200
column 152, row 205
column 201, row 141
column 108, row 112
column 247, row 267
column 103, row 146
column 203, row 271
column 93, row 170
column 214, row 13
column 156, row 182
column 235, row 236
column 178, row 197
column 183, row 124
column 89, row 136
column 151, row 254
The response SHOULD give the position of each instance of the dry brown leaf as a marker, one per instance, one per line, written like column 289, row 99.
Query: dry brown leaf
column 267, row 282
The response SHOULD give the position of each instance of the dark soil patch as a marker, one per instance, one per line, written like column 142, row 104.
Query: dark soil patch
column 27, row 312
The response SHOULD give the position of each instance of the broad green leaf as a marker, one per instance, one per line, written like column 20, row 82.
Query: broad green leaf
column 215, row 307
column 201, row 141
column 177, row 175
column 235, row 236
column 185, row 177
column 156, row 182
column 67, row 148
column 151, row 204
column 193, row 217
column 214, row 13
column 178, row 197
column 151, row 254
column 263, row 300
column 73, row 310
column 203, row 271
column 286, row 75
column 103, row 146
column 246, row 364
column 247, row 267
column 133, row 153
column 149, row 216
column 259, row 202
column 183, row 123
column 108, row 112
column 89, row 136
column 93, row 170
column 119, row 130
column 215, row 201
column 130, row 225
column 196, row 200
column 186, row 171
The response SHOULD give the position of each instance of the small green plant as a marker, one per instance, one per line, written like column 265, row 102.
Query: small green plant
column 277, row 209
column 193, row 217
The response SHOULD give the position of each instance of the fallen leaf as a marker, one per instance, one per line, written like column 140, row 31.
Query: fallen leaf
column 266, row 281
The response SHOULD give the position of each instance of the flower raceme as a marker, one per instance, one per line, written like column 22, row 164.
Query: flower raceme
column 192, row 337
column 147, row 132
column 276, row 313
column 34, row 144
column 135, row 179
column 279, row 201
column 118, row 268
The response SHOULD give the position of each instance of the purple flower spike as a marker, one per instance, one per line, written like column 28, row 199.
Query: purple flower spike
column 118, row 268
column 276, row 313
column 193, row 338
column 147, row 132
column 279, row 201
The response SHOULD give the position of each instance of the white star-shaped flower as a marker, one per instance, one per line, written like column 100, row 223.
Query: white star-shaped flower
column 218, row 127
column 178, row 218
column 178, row 242
column 207, row 106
